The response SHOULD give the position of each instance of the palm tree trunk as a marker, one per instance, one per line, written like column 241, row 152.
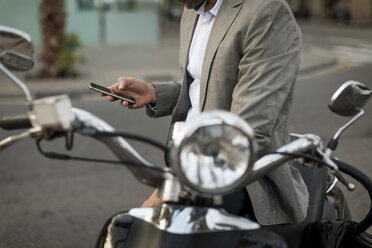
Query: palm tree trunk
column 52, row 18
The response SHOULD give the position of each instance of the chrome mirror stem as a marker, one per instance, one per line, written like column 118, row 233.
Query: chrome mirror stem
column 19, row 83
column 333, row 143
column 348, row 124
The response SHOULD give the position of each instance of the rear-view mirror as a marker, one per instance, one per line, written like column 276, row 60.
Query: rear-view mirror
column 16, row 49
column 350, row 98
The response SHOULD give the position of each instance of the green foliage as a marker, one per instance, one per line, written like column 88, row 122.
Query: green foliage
column 65, row 65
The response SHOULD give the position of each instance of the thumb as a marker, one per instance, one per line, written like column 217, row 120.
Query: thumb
column 122, row 85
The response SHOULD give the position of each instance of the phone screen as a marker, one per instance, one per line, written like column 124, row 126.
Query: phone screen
column 104, row 90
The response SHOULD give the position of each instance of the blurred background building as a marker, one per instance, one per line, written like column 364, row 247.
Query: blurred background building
column 140, row 21
column 347, row 11
column 95, row 21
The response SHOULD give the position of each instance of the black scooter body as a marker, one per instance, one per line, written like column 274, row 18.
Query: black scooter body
column 125, row 231
column 321, row 207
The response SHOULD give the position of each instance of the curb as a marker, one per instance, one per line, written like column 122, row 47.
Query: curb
column 73, row 93
column 77, row 92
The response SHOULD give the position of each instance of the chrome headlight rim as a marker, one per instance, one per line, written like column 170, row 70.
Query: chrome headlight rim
column 211, row 118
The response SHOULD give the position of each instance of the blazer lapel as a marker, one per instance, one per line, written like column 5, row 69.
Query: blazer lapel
column 188, row 25
column 226, row 15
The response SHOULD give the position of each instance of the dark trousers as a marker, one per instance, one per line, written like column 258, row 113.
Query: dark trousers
column 239, row 203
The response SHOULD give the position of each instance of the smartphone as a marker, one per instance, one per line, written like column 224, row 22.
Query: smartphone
column 104, row 90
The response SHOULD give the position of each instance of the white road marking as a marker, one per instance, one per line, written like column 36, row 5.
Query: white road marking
column 362, row 54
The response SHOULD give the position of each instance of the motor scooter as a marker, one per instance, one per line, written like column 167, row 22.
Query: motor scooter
column 211, row 156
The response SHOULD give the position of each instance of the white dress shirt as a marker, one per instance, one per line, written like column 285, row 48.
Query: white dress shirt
column 196, row 54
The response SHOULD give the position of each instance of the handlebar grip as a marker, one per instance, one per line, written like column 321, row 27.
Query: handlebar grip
column 15, row 122
column 363, row 179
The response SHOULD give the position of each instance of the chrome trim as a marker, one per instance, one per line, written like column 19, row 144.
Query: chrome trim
column 143, row 170
column 216, row 117
column 348, row 124
column 210, row 118
column 189, row 220
column 12, row 77
column 170, row 190
column 351, row 83
column 91, row 120
column 19, row 83
column 333, row 184
column 269, row 162
column 328, row 152
column 18, row 32
column 342, row 88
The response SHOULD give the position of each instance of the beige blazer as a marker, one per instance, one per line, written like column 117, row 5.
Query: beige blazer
column 249, row 68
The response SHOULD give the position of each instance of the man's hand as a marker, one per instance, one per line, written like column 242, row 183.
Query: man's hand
column 142, row 92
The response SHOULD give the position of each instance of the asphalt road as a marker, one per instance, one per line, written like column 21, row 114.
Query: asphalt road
column 46, row 203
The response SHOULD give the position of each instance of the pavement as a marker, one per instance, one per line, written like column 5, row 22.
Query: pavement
column 104, row 64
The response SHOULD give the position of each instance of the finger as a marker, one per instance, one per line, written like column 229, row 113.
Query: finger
column 111, row 99
column 122, row 84
column 125, row 104
column 129, row 105
column 115, row 85
column 134, row 106
column 101, row 94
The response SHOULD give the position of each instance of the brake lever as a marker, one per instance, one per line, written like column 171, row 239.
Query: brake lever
column 33, row 132
column 12, row 139
column 334, row 168
column 327, row 161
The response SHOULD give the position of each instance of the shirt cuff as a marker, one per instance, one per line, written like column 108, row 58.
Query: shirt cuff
column 152, row 106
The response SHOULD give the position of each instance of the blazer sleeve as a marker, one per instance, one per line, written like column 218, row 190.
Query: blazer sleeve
column 166, row 98
column 267, row 69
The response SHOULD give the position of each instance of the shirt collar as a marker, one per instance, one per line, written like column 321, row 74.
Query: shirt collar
column 212, row 11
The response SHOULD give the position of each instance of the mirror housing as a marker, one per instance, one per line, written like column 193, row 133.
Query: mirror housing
column 16, row 49
column 15, row 61
column 350, row 98
column 16, row 54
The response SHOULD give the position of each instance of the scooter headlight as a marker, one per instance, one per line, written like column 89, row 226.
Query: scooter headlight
column 215, row 153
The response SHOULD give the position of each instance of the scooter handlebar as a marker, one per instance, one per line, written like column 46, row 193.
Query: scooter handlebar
column 15, row 122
